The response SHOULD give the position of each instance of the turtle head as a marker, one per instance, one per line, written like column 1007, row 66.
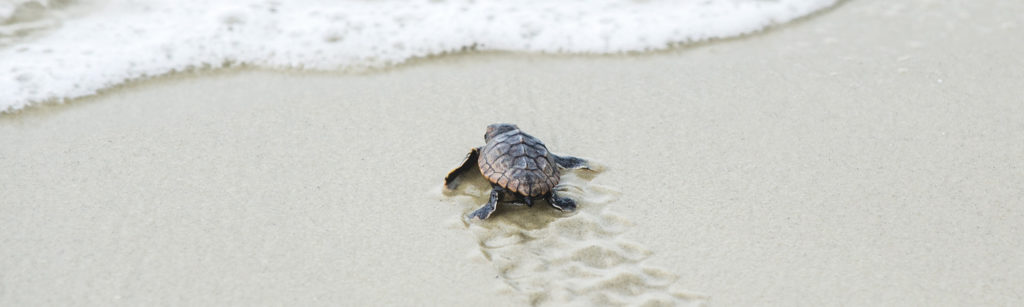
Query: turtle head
column 496, row 129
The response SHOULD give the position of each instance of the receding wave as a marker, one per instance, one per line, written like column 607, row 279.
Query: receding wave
column 55, row 50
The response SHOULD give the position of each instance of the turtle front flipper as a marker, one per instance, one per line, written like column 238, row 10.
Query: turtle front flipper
column 571, row 162
column 484, row 212
column 449, row 181
column 562, row 203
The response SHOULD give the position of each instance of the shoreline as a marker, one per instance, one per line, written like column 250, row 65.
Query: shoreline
column 672, row 48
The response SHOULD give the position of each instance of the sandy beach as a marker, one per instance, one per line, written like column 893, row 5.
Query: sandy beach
column 871, row 154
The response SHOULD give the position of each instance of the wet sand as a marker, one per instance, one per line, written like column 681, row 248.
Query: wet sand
column 869, row 155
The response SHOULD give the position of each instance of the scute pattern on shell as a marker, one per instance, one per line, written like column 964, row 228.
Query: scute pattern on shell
column 520, row 163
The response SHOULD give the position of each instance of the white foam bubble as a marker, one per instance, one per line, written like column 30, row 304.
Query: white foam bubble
column 110, row 42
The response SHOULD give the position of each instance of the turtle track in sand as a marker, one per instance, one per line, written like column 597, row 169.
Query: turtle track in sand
column 556, row 259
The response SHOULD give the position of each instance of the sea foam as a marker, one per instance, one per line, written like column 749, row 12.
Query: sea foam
column 56, row 50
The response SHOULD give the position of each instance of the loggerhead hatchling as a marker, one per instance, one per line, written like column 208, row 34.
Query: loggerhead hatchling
column 519, row 164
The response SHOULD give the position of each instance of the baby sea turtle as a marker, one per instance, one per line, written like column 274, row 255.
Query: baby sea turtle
column 516, row 164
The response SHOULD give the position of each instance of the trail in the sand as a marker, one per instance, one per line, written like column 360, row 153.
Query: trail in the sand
column 553, row 258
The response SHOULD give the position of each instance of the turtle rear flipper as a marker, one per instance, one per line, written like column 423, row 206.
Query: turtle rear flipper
column 571, row 162
column 484, row 212
column 562, row 203
column 449, row 181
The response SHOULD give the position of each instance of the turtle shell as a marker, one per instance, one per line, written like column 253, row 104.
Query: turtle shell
column 520, row 163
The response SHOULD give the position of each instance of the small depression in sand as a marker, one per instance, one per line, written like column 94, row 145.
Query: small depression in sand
column 552, row 258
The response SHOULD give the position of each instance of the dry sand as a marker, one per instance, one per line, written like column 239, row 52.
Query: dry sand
column 870, row 155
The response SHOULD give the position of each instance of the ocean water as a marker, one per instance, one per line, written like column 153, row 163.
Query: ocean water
column 62, row 49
